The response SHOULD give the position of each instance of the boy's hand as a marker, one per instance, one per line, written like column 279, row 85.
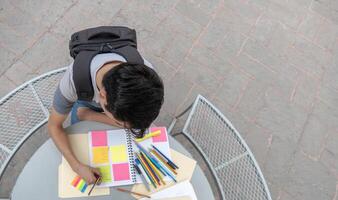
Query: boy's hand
column 87, row 173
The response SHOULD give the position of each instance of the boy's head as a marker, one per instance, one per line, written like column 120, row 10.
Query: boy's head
column 134, row 95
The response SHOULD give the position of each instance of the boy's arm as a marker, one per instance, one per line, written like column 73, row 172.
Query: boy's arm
column 60, row 139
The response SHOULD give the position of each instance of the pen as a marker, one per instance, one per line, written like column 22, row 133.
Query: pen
column 98, row 178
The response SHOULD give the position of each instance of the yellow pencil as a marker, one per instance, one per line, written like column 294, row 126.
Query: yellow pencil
column 147, row 168
column 158, row 173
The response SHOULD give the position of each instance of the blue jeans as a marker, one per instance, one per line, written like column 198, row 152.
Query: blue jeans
column 83, row 104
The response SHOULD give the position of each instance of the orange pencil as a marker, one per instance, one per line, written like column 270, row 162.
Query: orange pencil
column 147, row 168
column 154, row 168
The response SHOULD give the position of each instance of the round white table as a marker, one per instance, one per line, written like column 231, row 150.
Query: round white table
column 39, row 178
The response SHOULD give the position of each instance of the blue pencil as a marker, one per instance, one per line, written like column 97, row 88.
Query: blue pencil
column 166, row 171
column 168, row 160
column 151, row 158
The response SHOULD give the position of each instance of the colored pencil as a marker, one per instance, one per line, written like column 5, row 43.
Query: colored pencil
column 147, row 168
column 91, row 189
column 142, row 177
column 168, row 160
column 151, row 158
column 157, row 171
column 163, row 161
column 136, row 193
column 152, row 180
column 151, row 168
column 167, row 171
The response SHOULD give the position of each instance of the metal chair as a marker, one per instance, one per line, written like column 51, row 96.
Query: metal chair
column 228, row 157
column 23, row 111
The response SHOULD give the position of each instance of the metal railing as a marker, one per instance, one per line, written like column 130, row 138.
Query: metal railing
column 228, row 157
column 23, row 111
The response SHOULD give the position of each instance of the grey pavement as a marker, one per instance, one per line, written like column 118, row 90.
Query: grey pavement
column 270, row 66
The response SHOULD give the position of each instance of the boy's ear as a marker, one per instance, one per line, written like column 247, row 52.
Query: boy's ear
column 103, row 96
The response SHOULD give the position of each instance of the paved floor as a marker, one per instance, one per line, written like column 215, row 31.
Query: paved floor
column 271, row 66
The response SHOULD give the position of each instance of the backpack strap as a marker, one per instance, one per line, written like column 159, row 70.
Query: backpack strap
column 81, row 69
column 81, row 75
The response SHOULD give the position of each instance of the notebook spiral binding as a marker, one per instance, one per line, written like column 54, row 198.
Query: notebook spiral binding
column 130, row 138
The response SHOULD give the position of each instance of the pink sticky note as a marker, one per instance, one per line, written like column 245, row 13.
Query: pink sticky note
column 121, row 172
column 99, row 138
column 160, row 138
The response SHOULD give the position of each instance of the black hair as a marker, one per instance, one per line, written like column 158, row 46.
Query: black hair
column 134, row 94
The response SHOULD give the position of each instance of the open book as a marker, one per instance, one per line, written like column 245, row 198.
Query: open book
column 112, row 151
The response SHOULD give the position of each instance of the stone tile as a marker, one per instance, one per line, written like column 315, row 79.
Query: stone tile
column 161, row 66
column 192, row 10
column 73, row 20
column 233, row 86
column 22, row 23
column 183, row 25
column 20, row 73
column 327, row 8
column 264, row 29
column 137, row 15
column 194, row 92
column 199, row 74
column 45, row 12
column 310, row 50
column 282, row 118
column 205, row 56
column 163, row 119
column 314, row 136
column 207, row 6
column 234, row 21
column 310, row 179
column 277, row 63
column 286, row 13
column 309, row 26
column 327, row 35
column 214, row 34
column 306, row 91
column 161, row 8
column 6, row 87
column 252, row 100
column 177, row 50
column 6, row 59
column 281, row 39
column 330, row 97
column 159, row 40
column 259, row 142
column 175, row 92
column 106, row 10
column 279, row 160
column 48, row 53
column 247, row 10
column 12, row 40
column 231, row 45
column 305, row 63
column 330, row 160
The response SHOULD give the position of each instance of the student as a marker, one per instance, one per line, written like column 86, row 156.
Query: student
column 125, row 95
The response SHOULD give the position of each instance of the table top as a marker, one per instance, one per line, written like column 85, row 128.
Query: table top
column 39, row 178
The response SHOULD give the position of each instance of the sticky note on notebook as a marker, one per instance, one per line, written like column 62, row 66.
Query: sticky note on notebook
column 100, row 155
column 121, row 172
column 99, row 138
column 160, row 138
column 105, row 173
column 118, row 153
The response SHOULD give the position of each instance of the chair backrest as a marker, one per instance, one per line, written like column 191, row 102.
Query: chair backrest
column 228, row 156
column 23, row 111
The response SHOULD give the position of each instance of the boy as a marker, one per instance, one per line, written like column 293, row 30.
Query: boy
column 125, row 95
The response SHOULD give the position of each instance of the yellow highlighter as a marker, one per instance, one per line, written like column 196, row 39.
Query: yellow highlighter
column 149, row 135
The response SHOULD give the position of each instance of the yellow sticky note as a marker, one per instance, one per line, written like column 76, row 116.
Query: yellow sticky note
column 100, row 155
column 118, row 153
column 105, row 173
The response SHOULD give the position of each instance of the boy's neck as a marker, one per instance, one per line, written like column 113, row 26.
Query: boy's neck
column 102, row 71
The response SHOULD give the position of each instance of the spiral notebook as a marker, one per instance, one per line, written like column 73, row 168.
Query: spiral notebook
column 112, row 152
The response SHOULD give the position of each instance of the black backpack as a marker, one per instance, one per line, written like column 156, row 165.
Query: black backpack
column 86, row 44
